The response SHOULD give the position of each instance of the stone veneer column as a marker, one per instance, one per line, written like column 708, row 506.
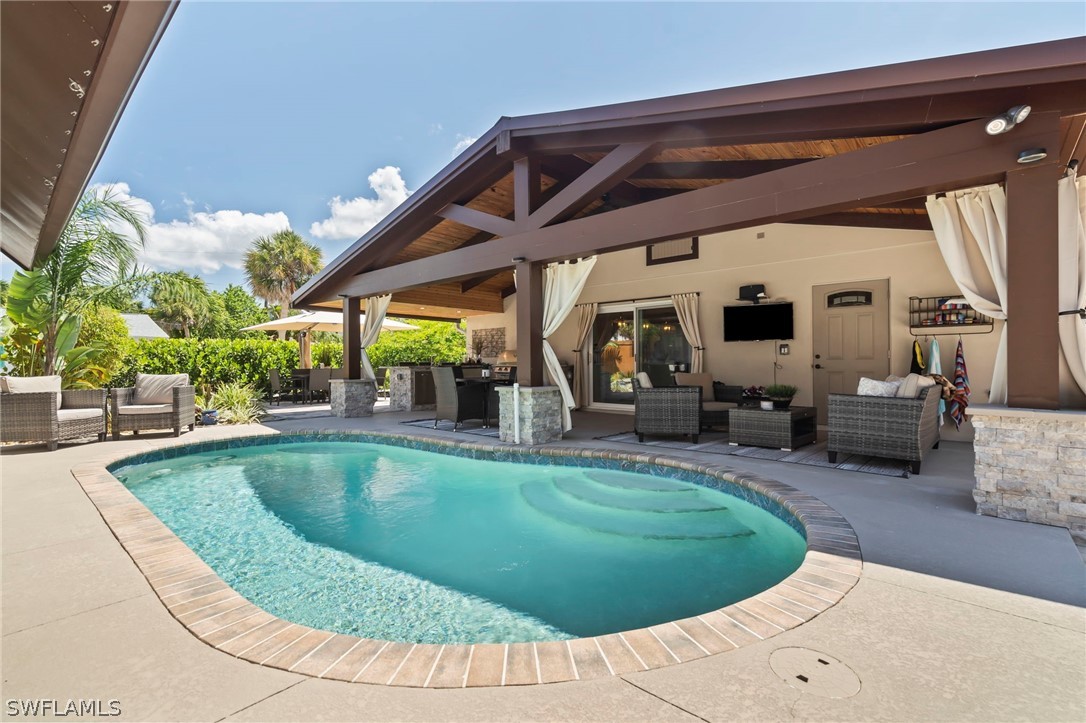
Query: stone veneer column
column 401, row 383
column 1031, row 465
column 540, row 414
column 353, row 397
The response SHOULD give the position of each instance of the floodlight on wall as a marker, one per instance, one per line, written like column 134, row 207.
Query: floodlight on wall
column 1006, row 121
column 1032, row 155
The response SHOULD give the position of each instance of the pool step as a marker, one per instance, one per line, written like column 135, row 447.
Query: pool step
column 626, row 481
column 545, row 498
column 631, row 499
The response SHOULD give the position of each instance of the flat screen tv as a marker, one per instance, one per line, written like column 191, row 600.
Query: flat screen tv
column 758, row 322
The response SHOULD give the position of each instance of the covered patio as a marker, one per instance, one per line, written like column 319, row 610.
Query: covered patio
column 796, row 184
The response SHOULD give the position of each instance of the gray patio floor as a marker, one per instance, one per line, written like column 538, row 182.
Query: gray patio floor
column 956, row 617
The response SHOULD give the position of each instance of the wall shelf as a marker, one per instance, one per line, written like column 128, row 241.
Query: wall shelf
column 947, row 314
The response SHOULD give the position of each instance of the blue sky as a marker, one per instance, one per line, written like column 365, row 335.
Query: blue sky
column 253, row 115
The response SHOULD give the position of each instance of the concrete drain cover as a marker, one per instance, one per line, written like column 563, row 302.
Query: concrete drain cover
column 813, row 672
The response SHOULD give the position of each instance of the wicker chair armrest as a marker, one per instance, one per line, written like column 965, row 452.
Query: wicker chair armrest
column 121, row 396
column 26, row 406
column 727, row 392
column 84, row 399
column 860, row 406
column 184, row 401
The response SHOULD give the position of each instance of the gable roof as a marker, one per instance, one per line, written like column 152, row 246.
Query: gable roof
column 142, row 326
column 703, row 139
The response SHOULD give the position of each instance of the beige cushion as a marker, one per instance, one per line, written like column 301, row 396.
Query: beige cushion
column 644, row 381
column 20, row 385
column 70, row 415
column 718, row 406
column 145, row 409
column 912, row 385
column 875, row 388
column 701, row 379
column 158, row 388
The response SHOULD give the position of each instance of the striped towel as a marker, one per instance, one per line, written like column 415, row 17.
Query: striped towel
column 960, row 400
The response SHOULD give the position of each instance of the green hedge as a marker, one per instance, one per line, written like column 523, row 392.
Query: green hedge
column 210, row 361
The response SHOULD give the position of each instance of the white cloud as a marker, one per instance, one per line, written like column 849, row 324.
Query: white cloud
column 204, row 241
column 351, row 219
column 462, row 142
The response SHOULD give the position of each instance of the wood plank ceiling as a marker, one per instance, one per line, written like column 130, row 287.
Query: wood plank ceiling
column 672, row 170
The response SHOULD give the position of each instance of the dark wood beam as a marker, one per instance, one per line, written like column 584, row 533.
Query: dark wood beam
column 481, row 220
column 508, row 291
column 530, row 324
column 1033, row 337
column 568, row 168
column 809, row 118
column 711, row 170
column 908, row 221
column 940, row 160
column 352, row 337
column 602, row 176
column 526, row 189
column 466, row 286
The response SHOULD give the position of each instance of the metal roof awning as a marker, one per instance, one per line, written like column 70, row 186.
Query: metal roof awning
column 67, row 70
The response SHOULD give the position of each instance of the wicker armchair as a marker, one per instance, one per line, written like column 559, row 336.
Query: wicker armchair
column 891, row 427
column 130, row 416
column 34, row 417
column 457, row 402
column 667, row 411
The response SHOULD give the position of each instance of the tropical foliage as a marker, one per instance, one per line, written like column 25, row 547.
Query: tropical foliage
column 181, row 301
column 277, row 265
column 212, row 362
column 237, row 403
column 94, row 259
column 436, row 341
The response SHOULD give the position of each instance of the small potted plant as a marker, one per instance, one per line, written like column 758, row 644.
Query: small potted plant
column 781, row 395
column 753, row 395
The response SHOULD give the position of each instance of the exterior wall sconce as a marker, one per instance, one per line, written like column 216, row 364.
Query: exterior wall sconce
column 1006, row 121
column 1032, row 155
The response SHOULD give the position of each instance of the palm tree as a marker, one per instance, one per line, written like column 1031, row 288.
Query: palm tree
column 94, row 258
column 277, row 265
column 180, row 300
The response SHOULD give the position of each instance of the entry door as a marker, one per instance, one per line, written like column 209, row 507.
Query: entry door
column 851, row 337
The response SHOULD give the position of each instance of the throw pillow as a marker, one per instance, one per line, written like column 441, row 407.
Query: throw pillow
column 912, row 385
column 875, row 388
column 21, row 385
column 644, row 381
column 158, row 388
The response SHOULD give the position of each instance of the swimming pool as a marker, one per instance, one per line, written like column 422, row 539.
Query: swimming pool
column 400, row 544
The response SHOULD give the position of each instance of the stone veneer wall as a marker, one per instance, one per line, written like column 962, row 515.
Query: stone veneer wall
column 1031, row 466
column 540, row 414
column 491, row 342
column 353, row 397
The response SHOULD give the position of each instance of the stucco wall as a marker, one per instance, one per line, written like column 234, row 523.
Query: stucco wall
column 789, row 259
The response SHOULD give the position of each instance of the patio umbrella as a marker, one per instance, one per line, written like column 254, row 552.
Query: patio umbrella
column 319, row 321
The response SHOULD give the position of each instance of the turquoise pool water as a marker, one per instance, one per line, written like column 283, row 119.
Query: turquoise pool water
column 407, row 545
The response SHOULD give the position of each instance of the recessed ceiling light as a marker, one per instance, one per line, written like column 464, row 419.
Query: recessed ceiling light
column 1032, row 155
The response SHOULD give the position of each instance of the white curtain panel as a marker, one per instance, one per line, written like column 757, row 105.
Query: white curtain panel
column 376, row 307
column 586, row 317
column 971, row 230
column 562, row 285
column 1072, row 273
column 686, row 306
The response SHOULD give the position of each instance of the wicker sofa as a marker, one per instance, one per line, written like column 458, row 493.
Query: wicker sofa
column 667, row 411
column 35, row 416
column 158, row 401
column 891, row 427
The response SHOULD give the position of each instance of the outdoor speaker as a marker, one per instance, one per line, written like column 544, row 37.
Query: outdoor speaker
column 752, row 292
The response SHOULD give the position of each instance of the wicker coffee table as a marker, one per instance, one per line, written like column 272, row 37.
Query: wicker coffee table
column 785, row 429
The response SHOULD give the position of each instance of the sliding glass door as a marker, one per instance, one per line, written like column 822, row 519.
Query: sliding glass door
column 630, row 338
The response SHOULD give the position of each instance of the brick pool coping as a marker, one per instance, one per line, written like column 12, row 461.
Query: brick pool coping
column 217, row 615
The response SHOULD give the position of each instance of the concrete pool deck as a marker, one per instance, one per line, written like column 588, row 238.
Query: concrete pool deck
column 955, row 617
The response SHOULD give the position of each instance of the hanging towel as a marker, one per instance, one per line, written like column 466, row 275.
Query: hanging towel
column 935, row 366
column 917, row 366
column 961, row 388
